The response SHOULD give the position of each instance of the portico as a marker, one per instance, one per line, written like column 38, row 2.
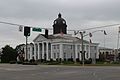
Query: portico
column 64, row 47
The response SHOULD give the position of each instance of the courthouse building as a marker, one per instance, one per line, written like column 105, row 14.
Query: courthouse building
column 62, row 45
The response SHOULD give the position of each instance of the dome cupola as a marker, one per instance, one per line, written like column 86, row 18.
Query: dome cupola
column 59, row 25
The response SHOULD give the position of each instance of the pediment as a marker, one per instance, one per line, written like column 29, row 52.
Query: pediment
column 39, row 38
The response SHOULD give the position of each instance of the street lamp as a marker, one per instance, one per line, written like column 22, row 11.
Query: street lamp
column 82, row 46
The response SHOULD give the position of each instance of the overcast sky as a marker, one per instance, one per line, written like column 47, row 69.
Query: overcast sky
column 79, row 14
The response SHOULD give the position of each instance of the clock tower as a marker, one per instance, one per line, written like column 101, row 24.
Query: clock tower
column 59, row 25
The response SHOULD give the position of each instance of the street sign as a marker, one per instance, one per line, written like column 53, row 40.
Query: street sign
column 37, row 29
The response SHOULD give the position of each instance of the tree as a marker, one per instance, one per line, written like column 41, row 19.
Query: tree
column 20, row 51
column 8, row 54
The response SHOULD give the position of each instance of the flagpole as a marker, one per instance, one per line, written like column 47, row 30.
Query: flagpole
column 104, row 40
column 104, row 37
column 89, row 47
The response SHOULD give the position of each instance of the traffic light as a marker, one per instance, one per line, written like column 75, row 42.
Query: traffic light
column 46, row 33
column 26, row 31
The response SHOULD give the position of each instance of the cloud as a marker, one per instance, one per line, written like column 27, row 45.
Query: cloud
column 79, row 14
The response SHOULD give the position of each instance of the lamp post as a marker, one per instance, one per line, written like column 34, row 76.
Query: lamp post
column 82, row 46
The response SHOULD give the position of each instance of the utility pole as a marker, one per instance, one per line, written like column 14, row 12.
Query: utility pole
column 117, row 45
column 82, row 46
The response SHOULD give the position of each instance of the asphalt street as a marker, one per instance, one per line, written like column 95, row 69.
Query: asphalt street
column 54, row 72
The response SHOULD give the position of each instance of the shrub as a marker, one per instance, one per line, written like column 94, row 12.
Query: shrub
column 12, row 62
column 32, row 61
column 68, row 62
column 70, row 59
column 28, row 63
column 53, row 63
column 26, row 60
column 65, row 59
column 116, row 62
column 51, row 60
column 77, row 60
column 89, row 61
column 19, row 62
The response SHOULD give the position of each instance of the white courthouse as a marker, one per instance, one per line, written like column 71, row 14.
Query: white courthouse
column 61, row 45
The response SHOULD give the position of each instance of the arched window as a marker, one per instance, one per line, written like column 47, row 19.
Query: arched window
column 55, row 22
column 64, row 22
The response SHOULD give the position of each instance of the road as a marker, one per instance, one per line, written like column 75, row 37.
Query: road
column 53, row 72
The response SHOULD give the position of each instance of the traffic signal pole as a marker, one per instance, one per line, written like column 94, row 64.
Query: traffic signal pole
column 83, row 55
column 26, row 46
column 26, row 34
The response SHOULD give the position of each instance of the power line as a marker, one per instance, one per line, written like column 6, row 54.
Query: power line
column 68, row 30
column 96, row 27
column 21, row 25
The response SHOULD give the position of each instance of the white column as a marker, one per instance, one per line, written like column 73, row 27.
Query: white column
column 97, row 52
column 31, row 50
column 38, row 50
column 47, row 50
column 76, row 51
column 34, row 51
column 80, row 54
column 51, row 52
column 85, row 49
column 61, row 51
column 43, row 51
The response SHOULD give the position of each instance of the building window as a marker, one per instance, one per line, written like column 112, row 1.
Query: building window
column 57, row 46
column 71, row 55
column 70, row 46
column 55, row 22
column 49, row 46
column 103, row 52
column 78, row 47
column 49, row 55
column 58, row 56
column 32, row 50
column 87, row 48
column 87, row 55
column 63, row 22
column 64, row 46
column 55, row 55
column 95, row 47
column 54, row 46
column 64, row 55
column 78, row 55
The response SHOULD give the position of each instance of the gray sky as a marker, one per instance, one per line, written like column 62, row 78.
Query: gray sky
column 79, row 14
